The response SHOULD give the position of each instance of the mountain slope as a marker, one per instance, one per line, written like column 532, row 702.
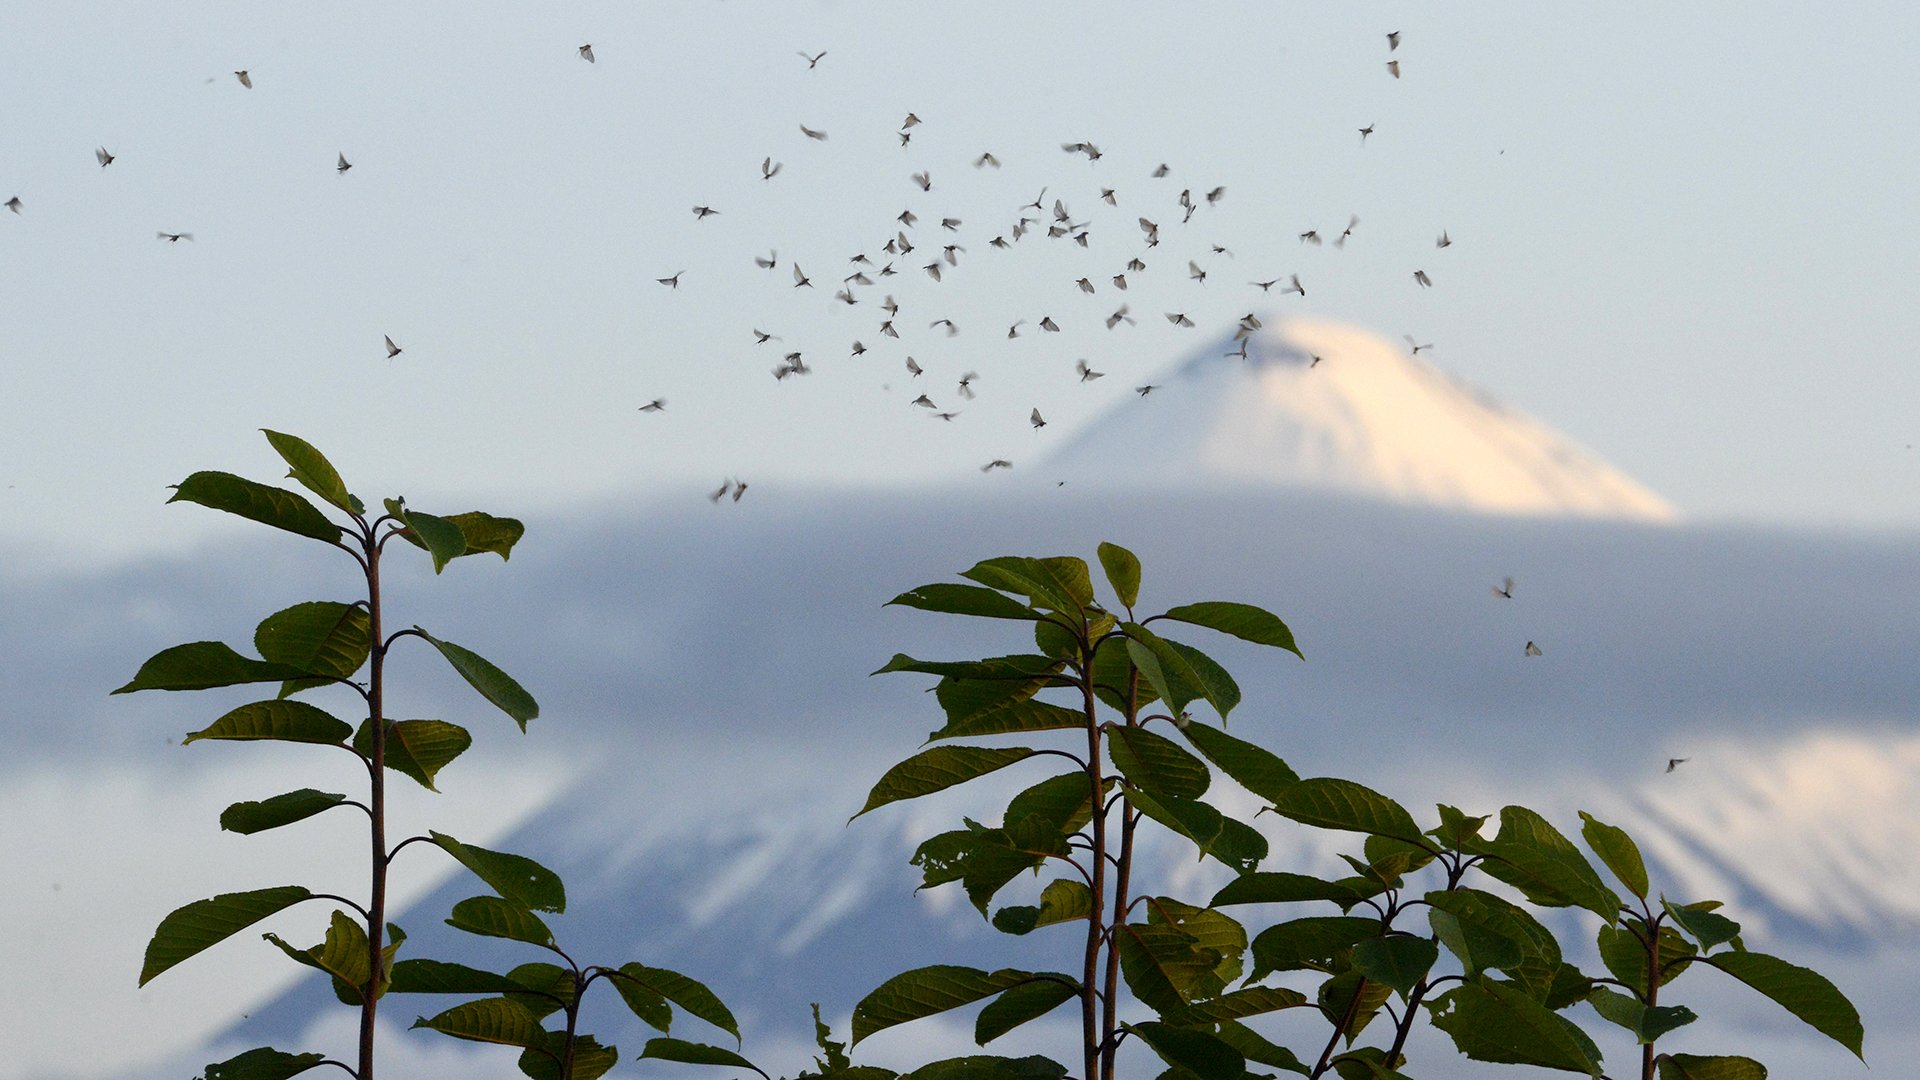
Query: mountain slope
column 1366, row 418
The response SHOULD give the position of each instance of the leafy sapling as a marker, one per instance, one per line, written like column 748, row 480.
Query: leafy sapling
column 342, row 644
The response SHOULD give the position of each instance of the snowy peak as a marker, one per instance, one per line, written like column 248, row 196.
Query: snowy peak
column 1331, row 407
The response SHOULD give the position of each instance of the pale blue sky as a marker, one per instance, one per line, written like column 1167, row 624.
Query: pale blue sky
column 1684, row 235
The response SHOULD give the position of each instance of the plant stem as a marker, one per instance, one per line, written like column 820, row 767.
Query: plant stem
column 1122, row 876
column 1653, row 992
column 1096, row 918
column 377, row 812
column 1353, row 1007
column 573, row 1020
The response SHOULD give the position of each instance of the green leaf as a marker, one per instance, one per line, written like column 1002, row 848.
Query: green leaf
column 1064, row 900
column 646, row 1003
column 284, row 721
column 938, row 769
column 1491, row 1021
column 545, row 988
column 1157, row 764
column 1456, row 828
column 1243, row 621
column 1268, row 887
column 1485, row 931
column 1618, row 851
column 1398, row 960
column 1060, row 584
column 691, row 1053
column 1257, row 1048
column 1194, row 820
column 1695, row 1067
column 248, row 818
column 1329, row 803
column 1143, row 660
column 323, row 638
column 985, row 1067
column 203, row 923
column 1350, row 1001
column 982, row 859
column 311, row 470
column 417, row 748
column 514, row 877
column 1192, row 1051
column 1623, row 950
column 440, row 977
column 1022, row 667
column 203, row 665
column 1707, row 927
column 1162, row 964
column 489, row 1020
column 263, row 503
column 1123, row 572
column 492, row 683
column 1532, row 856
column 1367, row 1063
column 343, row 953
column 264, row 1063
column 487, row 534
column 954, row 599
column 926, row 991
column 1250, row 1001
column 439, row 537
column 590, row 1059
column 1250, row 766
column 1626, row 1010
column 690, row 994
column 1010, row 717
column 1801, row 991
column 1187, row 672
column 490, row 916
column 1314, row 943
column 1019, row 1004
column 1063, row 802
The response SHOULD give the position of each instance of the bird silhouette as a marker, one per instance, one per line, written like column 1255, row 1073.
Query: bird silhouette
column 246, row 80
column 671, row 282
column 658, row 404
column 814, row 60
column 586, row 53
column 817, row 136
column 1504, row 589
column 103, row 157
column 1532, row 649
column 392, row 349
column 169, row 237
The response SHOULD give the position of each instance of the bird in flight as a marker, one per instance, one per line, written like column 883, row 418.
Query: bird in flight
column 924, row 402
column 169, row 237
column 1265, row 285
column 1393, row 40
column 1341, row 240
column 768, row 168
column 1316, row 361
column 1532, row 649
column 1047, row 324
column 800, row 278
column 658, row 404
column 1087, row 374
column 702, row 212
column 986, row 159
column 13, row 204
column 1364, row 132
column 392, row 349
column 952, row 330
column 1393, row 68
column 1675, row 762
column 1120, row 315
column 817, row 136
column 342, row 165
column 1444, row 240
column 246, row 80
column 1417, row 349
column 761, row 337
column 1179, row 318
column 1311, row 236
column 767, row 263
column 586, row 53
column 1143, row 391
column 910, row 121
column 996, row 463
column 737, row 487
column 913, row 368
column 814, row 60
column 925, row 180
column 1195, row 273
column 1504, row 589
column 105, row 158
column 1036, row 420
column 1421, row 279
column 671, row 282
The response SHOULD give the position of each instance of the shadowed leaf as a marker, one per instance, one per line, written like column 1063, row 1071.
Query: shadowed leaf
column 514, row 877
column 1019, row 1004
column 1618, row 851
column 1490, row 1021
column 1695, row 1067
column 1188, row 1050
column 691, row 995
column 248, row 818
column 203, row 923
column 938, row 769
column 927, row 991
column 1805, row 993
column 664, row 1049
column 1329, row 803
column 203, row 665
column 311, row 470
column 492, row 683
column 489, row 1020
column 263, row 503
column 955, row 599
column 1250, row 766
column 1243, row 621
column 263, row 1063
column 491, row 916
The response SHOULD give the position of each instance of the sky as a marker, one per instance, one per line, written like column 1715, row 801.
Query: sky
column 1681, row 236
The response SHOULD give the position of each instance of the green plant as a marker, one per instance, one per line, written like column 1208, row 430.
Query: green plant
column 1090, row 690
column 322, row 644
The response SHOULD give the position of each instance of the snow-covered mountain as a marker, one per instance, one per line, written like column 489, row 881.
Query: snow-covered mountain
column 1317, row 404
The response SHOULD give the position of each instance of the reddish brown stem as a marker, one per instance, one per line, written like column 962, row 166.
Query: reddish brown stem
column 377, row 812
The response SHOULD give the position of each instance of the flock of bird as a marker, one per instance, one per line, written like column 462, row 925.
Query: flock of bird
column 892, row 255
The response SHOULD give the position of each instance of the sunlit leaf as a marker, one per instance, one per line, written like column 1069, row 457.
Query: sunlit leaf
column 1618, row 851
column 514, row 877
column 284, row 721
column 1243, row 621
column 491, row 916
column 1123, row 572
column 493, row 684
column 1157, row 764
column 1696, row 1067
column 956, row 599
column 489, row 1020
column 1329, row 803
column 1250, row 766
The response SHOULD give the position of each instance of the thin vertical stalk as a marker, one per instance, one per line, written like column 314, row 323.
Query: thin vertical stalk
column 376, row 808
column 1123, row 873
column 1653, row 992
column 1096, row 918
